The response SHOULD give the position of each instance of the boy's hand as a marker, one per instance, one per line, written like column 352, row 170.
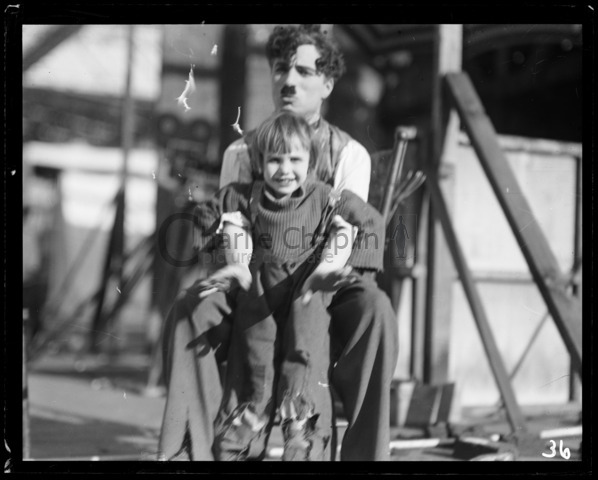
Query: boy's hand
column 326, row 281
column 225, row 278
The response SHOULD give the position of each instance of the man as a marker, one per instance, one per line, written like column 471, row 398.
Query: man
column 304, row 66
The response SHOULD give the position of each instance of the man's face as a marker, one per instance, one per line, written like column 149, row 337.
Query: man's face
column 297, row 86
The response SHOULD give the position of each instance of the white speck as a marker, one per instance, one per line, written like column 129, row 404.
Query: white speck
column 118, row 290
column 125, row 395
column 214, row 50
column 189, row 89
column 591, row 8
column 507, row 189
column 235, row 125
column 326, row 385
column 153, row 174
column 13, row 172
column 95, row 458
column 179, row 175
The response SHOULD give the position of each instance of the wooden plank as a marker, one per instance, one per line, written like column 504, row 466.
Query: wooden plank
column 514, row 414
column 447, row 58
column 532, row 145
column 48, row 42
column 565, row 310
column 232, row 82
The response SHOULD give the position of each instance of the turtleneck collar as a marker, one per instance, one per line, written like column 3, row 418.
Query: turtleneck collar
column 297, row 194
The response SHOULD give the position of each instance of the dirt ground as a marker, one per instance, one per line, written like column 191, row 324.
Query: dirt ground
column 83, row 407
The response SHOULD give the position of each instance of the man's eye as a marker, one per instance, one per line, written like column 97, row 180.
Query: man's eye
column 281, row 68
column 304, row 71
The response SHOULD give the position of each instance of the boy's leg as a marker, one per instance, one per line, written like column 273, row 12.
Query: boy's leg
column 243, row 423
column 365, row 347
column 303, row 389
column 196, row 337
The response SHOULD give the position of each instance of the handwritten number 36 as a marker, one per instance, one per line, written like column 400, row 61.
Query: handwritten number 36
column 565, row 452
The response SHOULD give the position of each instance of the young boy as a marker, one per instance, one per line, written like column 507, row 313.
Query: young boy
column 279, row 339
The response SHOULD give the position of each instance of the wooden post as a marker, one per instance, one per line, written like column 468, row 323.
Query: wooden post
column 113, row 264
column 514, row 414
column 441, row 274
column 574, row 380
column 418, row 293
column 232, row 82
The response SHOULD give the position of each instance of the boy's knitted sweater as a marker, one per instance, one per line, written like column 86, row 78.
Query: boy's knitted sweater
column 288, row 229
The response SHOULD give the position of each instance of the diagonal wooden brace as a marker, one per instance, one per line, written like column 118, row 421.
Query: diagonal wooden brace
column 564, row 309
column 514, row 415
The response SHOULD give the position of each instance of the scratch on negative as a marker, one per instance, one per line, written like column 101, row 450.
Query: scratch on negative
column 555, row 380
column 189, row 89
column 235, row 125
column 526, row 225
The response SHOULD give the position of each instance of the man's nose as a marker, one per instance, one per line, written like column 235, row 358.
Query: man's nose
column 291, row 77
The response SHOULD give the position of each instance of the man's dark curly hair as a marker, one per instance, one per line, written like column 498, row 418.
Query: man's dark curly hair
column 284, row 40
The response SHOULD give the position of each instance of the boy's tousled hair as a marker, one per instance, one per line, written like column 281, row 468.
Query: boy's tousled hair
column 276, row 134
column 284, row 40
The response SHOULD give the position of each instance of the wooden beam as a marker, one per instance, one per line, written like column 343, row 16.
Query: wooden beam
column 47, row 43
column 441, row 275
column 232, row 82
column 514, row 414
column 565, row 310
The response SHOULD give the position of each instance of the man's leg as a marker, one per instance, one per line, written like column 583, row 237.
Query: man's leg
column 195, row 340
column 365, row 345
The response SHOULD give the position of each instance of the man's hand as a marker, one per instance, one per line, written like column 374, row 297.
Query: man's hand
column 225, row 278
column 325, row 280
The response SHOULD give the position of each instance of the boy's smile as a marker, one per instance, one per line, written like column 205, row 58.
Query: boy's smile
column 286, row 172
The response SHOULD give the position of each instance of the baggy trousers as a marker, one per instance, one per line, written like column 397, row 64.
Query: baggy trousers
column 363, row 346
column 278, row 359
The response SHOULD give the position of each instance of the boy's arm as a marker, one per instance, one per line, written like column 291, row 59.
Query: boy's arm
column 332, row 272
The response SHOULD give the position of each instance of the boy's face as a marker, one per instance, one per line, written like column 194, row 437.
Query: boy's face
column 297, row 86
column 286, row 172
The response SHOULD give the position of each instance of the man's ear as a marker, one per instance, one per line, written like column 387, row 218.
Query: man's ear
column 328, row 87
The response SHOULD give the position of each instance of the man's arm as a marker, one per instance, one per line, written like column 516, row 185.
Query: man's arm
column 332, row 272
column 353, row 171
column 235, row 164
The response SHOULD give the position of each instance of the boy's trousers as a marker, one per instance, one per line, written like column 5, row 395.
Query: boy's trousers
column 363, row 350
column 278, row 359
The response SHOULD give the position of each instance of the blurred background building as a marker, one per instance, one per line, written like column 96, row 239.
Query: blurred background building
column 529, row 79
